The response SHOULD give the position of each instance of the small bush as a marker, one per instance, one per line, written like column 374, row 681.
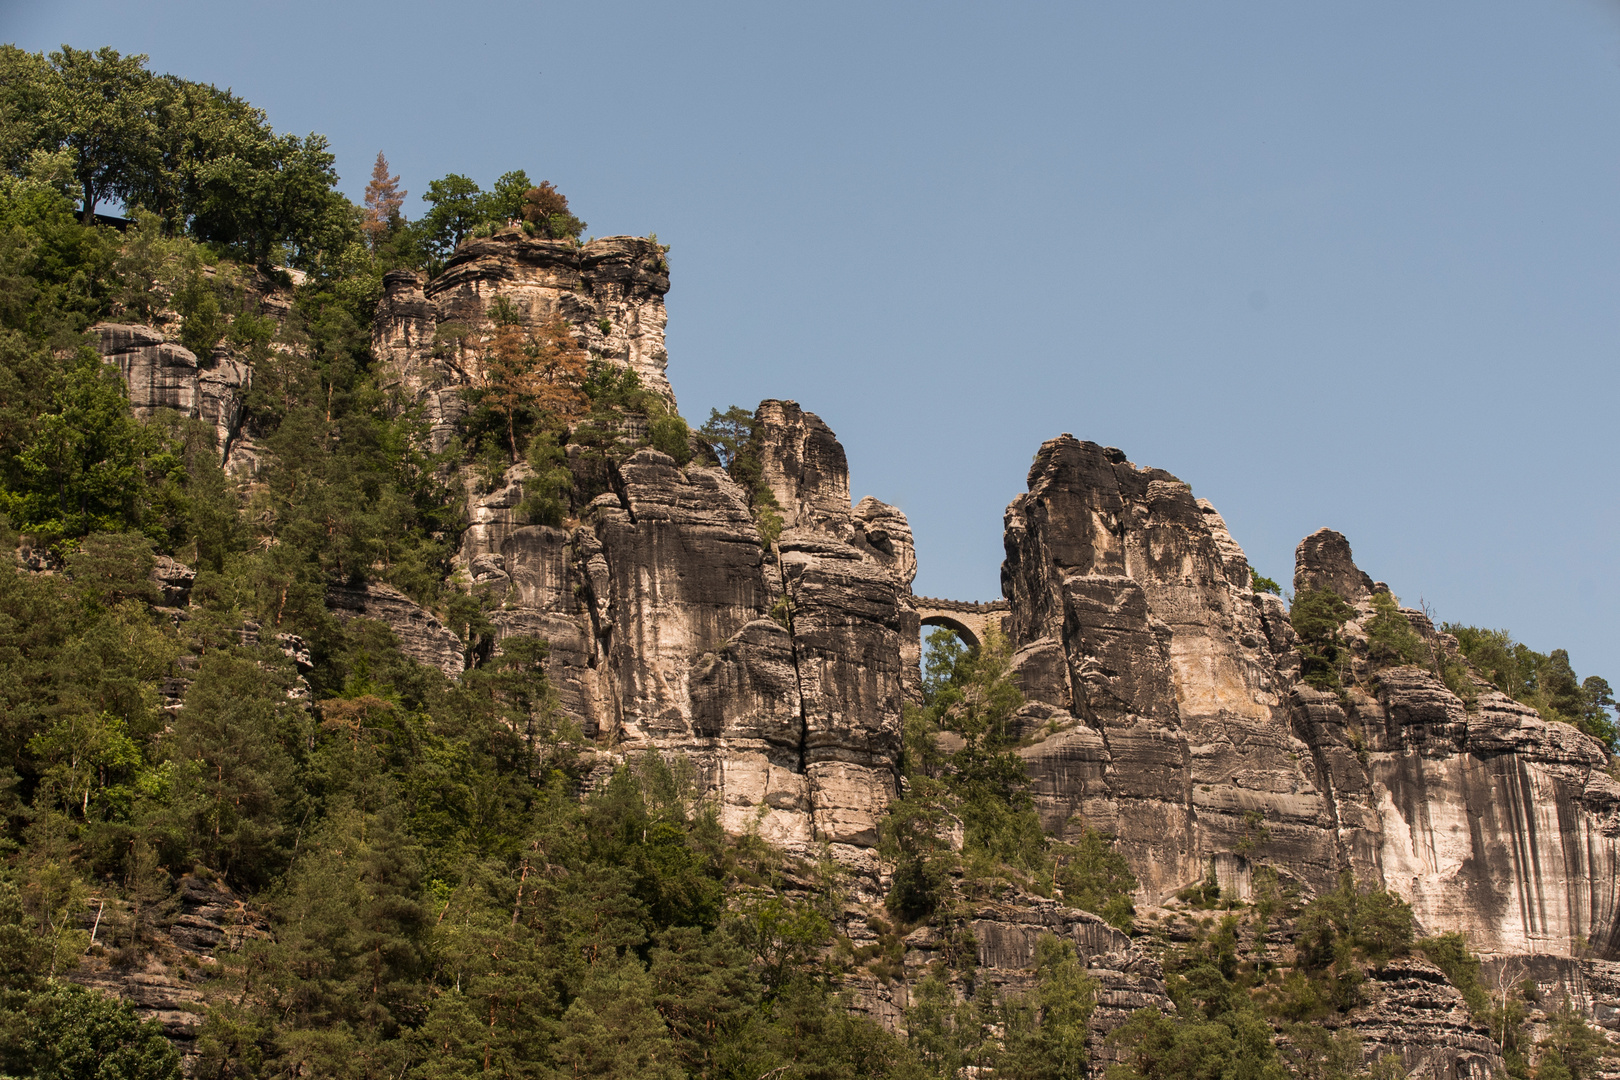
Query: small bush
column 670, row 435
column 1204, row 895
column 546, row 491
column 1260, row 583
column 767, row 516
column 1451, row 954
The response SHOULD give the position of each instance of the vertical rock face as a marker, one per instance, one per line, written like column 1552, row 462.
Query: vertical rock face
column 160, row 373
column 803, row 464
column 1135, row 628
column 780, row 674
column 1323, row 561
column 1183, row 727
column 611, row 290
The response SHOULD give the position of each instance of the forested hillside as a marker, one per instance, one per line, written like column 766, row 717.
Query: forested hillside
column 349, row 863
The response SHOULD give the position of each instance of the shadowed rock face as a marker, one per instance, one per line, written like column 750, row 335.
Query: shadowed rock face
column 1132, row 614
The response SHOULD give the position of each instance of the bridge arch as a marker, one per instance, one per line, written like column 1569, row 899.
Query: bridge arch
column 968, row 620
column 957, row 626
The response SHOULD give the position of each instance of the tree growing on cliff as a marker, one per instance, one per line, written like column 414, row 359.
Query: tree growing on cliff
column 453, row 209
column 546, row 209
column 1316, row 616
column 1545, row 681
column 383, row 201
column 537, row 372
column 105, row 108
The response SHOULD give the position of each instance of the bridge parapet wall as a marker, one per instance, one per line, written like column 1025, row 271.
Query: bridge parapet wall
column 969, row 619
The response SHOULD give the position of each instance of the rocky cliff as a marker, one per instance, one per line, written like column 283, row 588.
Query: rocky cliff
column 1164, row 706
column 1183, row 725
column 611, row 290
column 778, row 672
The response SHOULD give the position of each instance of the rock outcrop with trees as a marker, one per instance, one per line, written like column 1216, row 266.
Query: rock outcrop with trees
column 393, row 683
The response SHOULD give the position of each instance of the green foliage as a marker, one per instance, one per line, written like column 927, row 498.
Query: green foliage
column 1094, row 877
column 1260, row 583
column 547, row 488
column 56, row 276
column 1341, row 932
column 90, row 466
column 1045, row 1031
column 1390, row 637
column 1317, row 616
column 454, row 207
column 670, row 434
column 1572, row 1047
column 1204, row 894
column 1158, row 1047
column 504, row 202
column 1545, row 681
column 201, row 158
column 1450, row 953
column 981, row 787
column 733, row 437
column 79, row 1034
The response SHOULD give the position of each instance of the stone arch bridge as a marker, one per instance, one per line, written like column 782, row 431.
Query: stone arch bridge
column 968, row 619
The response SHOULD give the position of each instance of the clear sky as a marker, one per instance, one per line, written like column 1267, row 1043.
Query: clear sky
column 1343, row 264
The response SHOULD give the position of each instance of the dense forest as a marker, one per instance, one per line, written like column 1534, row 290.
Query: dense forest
column 451, row 883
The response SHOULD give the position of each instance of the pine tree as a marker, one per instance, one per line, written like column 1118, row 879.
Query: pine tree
column 383, row 201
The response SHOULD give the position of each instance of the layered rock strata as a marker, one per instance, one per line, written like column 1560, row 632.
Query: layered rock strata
column 611, row 291
column 160, row 374
column 780, row 673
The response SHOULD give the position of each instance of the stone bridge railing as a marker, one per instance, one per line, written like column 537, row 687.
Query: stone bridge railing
column 970, row 619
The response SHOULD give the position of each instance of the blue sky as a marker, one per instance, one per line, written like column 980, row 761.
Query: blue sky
column 1337, row 264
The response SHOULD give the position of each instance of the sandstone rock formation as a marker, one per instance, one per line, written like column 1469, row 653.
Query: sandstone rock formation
column 611, row 290
column 1188, row 731
column 204, row 918
column 1139, row 637
column 1167, row 693
column 1164, row 698
column 163, row 374
column 780, row 674
column 421, row 636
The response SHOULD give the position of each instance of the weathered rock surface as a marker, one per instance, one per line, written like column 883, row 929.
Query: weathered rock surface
column 610, row 290
column 779, row 674
column 421, row 635
column 166, row 978
column 1131, row 608
column 1166, row 702
column 1132, row 611
column 160, row 373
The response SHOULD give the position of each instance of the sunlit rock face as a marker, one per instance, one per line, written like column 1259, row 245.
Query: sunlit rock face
column 611, row 291
column 1163, row 673
column 779, row 672
column 1173, row 717
column 161, row 374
